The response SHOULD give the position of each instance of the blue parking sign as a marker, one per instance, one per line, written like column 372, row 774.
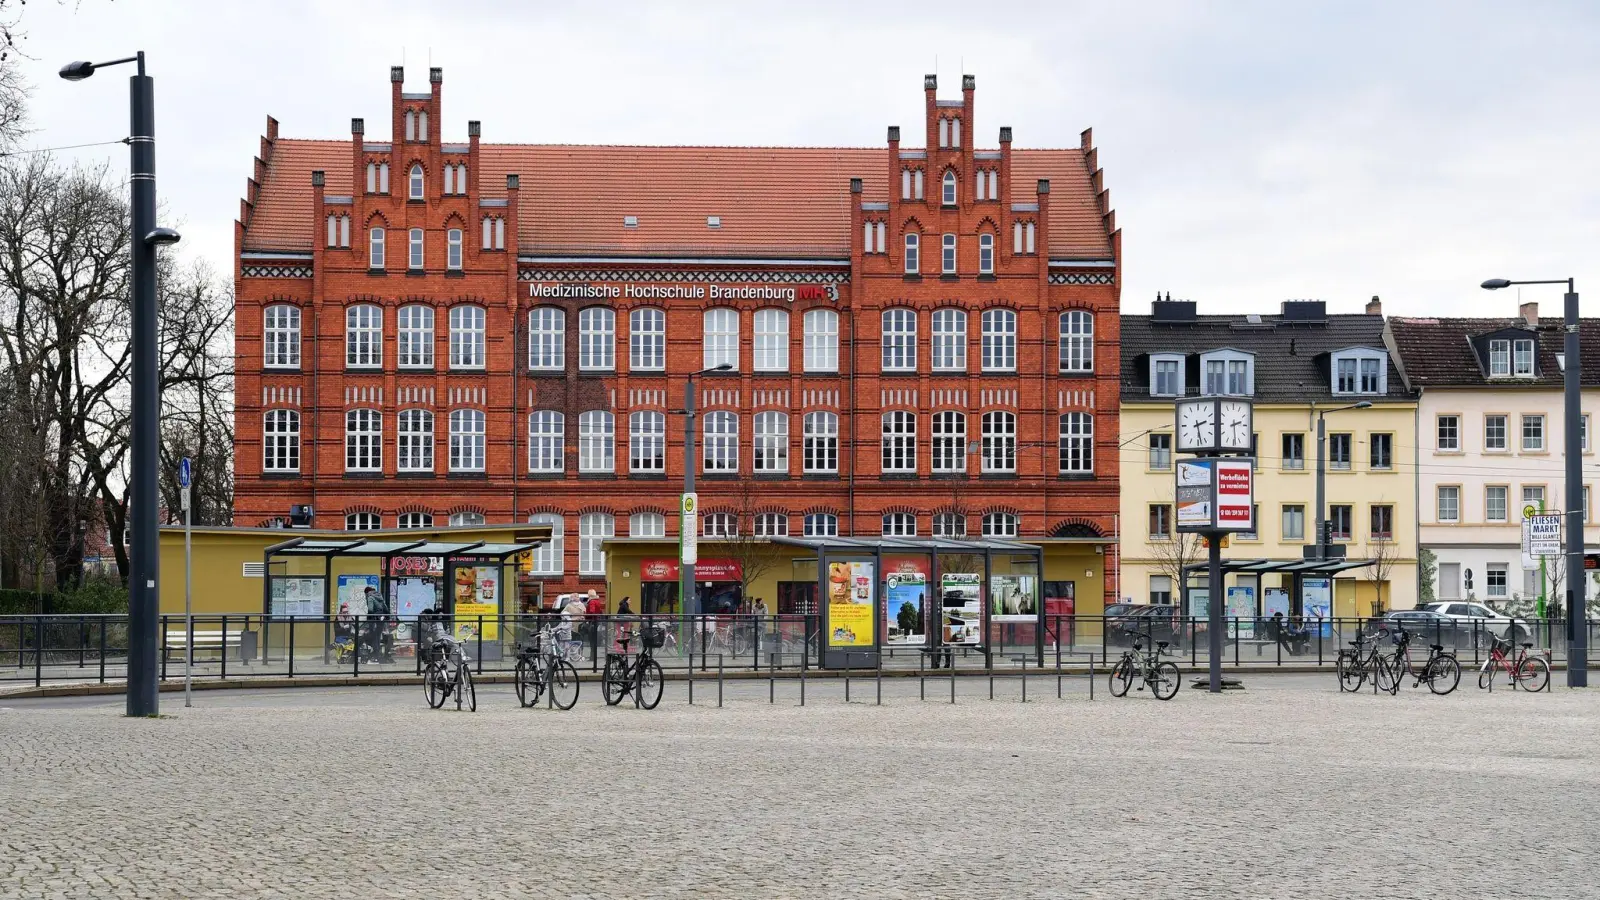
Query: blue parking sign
column 183, row 472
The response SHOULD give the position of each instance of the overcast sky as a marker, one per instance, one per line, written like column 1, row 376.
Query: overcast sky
column 1254, row 151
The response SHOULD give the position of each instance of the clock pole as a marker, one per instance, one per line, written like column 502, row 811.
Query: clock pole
column 1214, row 584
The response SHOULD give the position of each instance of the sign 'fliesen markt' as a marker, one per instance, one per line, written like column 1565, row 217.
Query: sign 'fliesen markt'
column 707, row 291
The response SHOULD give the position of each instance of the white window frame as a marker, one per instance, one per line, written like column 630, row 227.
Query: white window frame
column 1176, row 360
column 770, row 447
column 280, row 336
column 415, row 520
column 414, row 440
column 721, row 337
column 949, row 343
column 597, row 442
column 916, row 184
column 1538, row 421
column 905, row 184
column 647, row 525
column 1295, row 514
column 950, row 441
column 593, row 531
column 362, row 521
column 647, row 442
column 647, row 339
column 986, row 254
column 549, row 558
column 899, row 442
column 949, row 525
column 375, row 247
column 1499, row 358
column 414, row 344
column 719, row 525
column 415, row 181
column 547, row 440
column 363, row 336
column 899, row 525
column 1077, row 443
column 372, row 177
column 1160, row 452
column 770, row 349
column 913, row 254
column 1523, row 354
column 453, row 249
column 999, row 340
column 597, row 339
column 1496, row 581
column 821, row 340
column 899, row 339
column 1231, row 362
column 449, row 179
column 947, row 256
column 999, row 441
column 1000, row 525
column 467, row 335
column 417, row 245
column 821, row 525
column 820, row 443
column 280, row 440
column 1447, row 504
column 467, row 440
column 547, row 339
column 1490, row 492
column 1359, row 360
column 1439, row 433
column 720, row 435
column 1505, row 433
column 1076, row 345
column 770, row 524
column 948, row 188
column 363, row 440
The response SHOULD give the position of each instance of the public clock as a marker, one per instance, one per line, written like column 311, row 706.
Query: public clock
column 1197, row 425
column 1234, row 425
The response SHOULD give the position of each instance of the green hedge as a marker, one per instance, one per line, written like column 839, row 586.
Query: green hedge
column 94, row 598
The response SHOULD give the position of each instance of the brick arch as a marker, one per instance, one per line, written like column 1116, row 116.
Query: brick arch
column 375, row 216
column 1076, row 527
column 821, row 511
column 548, row 509
column 459, row 223
column 999, row 303
column 658, row 510
column 905, row 227
column 900, row 509
column 416, row 161
column 409, row 508
column 362, row 508
column 993, row 227
column 598, row 508
column 467, row 508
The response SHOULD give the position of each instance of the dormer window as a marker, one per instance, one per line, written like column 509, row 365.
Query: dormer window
column 1228, row 372
column 1166, row 375
column 416, row 181
column 1360, row 370
column 1499, row 359
column 1522, row 358
column 949, row 198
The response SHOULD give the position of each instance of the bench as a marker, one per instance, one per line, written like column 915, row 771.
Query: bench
column 204, row 639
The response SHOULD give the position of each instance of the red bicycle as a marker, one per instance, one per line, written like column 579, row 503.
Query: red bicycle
column 1528, row 671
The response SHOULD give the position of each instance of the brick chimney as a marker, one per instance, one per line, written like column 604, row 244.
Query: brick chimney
column 1374, row 306
column 1530, row 312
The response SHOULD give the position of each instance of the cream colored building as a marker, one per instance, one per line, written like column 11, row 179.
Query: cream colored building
column 1294, row 365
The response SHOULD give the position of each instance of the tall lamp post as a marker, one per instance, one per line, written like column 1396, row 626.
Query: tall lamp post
column 1322, row 478
column 686, row 520
column 144, row 562
column 1577, row 614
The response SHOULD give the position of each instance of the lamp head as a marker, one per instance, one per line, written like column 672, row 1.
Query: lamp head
column 723, row 367
column 77, row 71
column 161, row 237
column 1495, row 284
column 1365, row 404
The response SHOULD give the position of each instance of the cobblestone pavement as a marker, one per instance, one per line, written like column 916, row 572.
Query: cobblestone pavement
column 1286, row 790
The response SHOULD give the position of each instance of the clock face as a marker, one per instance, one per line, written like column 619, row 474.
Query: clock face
column 1197, row 426
column 1234, row 420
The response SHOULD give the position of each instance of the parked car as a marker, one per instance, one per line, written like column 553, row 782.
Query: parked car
column 1475, row 618
column 1426, row 627
column 1164, row 623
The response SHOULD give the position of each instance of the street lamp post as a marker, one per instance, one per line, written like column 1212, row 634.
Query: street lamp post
column 1577, row 613
column 144, row 561
column 685, row 568
column 1322, row 478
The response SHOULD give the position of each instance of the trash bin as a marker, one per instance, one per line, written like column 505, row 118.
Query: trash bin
column 247, row 646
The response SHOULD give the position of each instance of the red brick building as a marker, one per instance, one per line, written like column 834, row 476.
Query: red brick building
column 921, row 339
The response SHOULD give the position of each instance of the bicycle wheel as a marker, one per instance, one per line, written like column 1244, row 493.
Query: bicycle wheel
column 528, row 686
column 1487, row 672
column 1443, row 674
column 1167, row 681
column 614, row 681
column 467, row 688
column 1352, row 674
column 433, row 685
column 648, row 687
column 563, row 685
column 1122, row 677
column 1533, row 674
column 1386, row 675
column 741, row 642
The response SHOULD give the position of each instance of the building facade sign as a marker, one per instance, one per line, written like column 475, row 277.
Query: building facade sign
column 687, row 291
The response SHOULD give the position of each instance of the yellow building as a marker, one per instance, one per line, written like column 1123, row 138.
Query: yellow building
column 1295, row 367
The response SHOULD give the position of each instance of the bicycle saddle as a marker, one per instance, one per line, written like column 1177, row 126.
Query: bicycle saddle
column 1437, row 648
column 1161, row 644
column 1527, row 646
column 624, row 642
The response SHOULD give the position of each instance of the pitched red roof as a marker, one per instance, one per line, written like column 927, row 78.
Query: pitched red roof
column 781, row 201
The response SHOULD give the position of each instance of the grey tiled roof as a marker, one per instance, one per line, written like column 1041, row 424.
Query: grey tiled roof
column 1437, row 352
column 1291, row 363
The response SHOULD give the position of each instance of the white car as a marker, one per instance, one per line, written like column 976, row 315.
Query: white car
column 1478, row 618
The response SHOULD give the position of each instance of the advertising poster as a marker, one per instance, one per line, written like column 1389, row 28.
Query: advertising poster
column 1199, row 603
column 292, row 596
column 477, row 593
column 1242, row 610
column 1276, row 600
column 1011, row 599
column 353, row 594
column 1316, row 596
column 961, row 609
column 850, row 604
column 905, row 598
column 1235, row 504
column 1193, row 494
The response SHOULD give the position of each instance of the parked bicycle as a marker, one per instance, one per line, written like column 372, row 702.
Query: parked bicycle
column 540, row 669
column 1529, row 671
column 1441, row 672
column 447, row 672
column 1161, row 676
column 1364, row 659
column 640, row 675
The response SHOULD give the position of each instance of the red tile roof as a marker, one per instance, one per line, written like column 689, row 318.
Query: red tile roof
column 780, row 201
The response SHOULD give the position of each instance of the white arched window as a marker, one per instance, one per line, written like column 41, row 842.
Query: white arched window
column 416, row 520
column 899, row 340
column 999, row 525
column 949, row 441
column 466, row 440
column 414, row 440
column 999, row 442
column 375, row 248
column 986, row 254
column 416, row 181
column 721, row 337
column 547, row 339
column 546, row 441
column 1077, row 341
column 821, row 525
column 415, row 345
column 280, row 337
column 913, row 253
column 466, row 337
column 647, row 525
column 549, row 557
column 771, row 444
column 596, row 442
column 453, row 248
column 414, row 259
column 821, row 340
column 949, row 525
column 362, row 521
column 363, row 336
column 999, row 340
column 647, row 339
column 1077, row 443
column 820, row 443
column 900, row 442
column 770, row 525
column 280, row 441
column 593, row 530
column 466, row 517
column 899, row 525
column 949, row 195
column 363, row 441
column 720, row 525
column 647, row 442
column 597, row 339
column 949, row 340
column 722, row 442
column 771, row 349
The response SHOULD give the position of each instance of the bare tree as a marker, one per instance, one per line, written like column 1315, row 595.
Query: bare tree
column 197, row 391
column 1174, row 556
column 755, row 554
column 1383, row 552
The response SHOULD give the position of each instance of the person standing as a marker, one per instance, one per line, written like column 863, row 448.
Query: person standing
column 381, row 648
